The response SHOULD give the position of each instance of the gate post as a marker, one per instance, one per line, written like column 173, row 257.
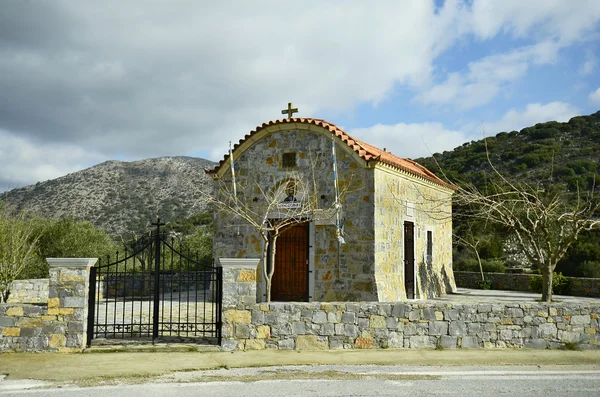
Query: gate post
column 239, row 291
column 68, row 293
column 156, row 313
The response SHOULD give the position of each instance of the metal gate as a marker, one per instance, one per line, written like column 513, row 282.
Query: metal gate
column 155, row 292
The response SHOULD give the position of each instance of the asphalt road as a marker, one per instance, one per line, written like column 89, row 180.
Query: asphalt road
column 348, row 381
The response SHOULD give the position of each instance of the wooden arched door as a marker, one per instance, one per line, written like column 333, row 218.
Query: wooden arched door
column 290, row 278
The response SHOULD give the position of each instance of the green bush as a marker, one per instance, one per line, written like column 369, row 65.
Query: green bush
column 493, row 266
column 561, row 285
column 591, row 269
column 484, row 284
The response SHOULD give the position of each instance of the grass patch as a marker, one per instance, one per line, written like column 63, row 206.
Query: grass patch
column 571, row 346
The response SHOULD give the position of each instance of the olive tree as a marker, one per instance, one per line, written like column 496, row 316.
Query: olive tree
column 19, row 237
column 545, row 219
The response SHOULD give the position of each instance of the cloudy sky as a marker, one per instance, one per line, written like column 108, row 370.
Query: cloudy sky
column 85, row 81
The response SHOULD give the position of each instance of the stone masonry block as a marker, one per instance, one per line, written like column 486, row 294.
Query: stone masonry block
column 246, row 276
column 311, row 342
column 536, row 343
column 457, row 328
column 547, row 330
column 450, row 315
column 581, row 320
column 7, row 321
column 320, row 317
column 399, row 309
column 299, row 328
column 57, row 340
column 470, row 342
column 395, row 340
column 420, row 342
column 377, row 321
column 438, row 328
column 391, row 323
column 74, row 302
column 364, row 343
column 26, row 322
column 448, row 342
column 238, row 316
column 349, row 318
column 242, row 331
column 11, row 331
column 16, row 311
column 429, row 313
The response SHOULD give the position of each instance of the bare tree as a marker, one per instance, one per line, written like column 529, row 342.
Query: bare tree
column 472, row 240
column 294, row 200
column 544, row 219
column 18, row 242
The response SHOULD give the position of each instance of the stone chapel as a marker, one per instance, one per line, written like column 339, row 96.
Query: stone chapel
column 394, row 217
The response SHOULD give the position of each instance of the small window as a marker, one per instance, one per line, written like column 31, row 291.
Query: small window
column 289, row 160
column 429, row 246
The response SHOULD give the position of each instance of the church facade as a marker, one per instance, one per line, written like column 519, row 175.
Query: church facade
column 388, row 240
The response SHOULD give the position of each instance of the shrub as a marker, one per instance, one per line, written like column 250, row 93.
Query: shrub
column 561, row 285
column 590, row 269
column 484, row 284
column 493, row 266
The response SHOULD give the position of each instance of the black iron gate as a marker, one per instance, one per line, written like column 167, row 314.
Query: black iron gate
column 155, row 292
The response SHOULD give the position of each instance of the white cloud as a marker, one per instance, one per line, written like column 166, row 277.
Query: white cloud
column 423, row 139
column 551, row 24
column 515, row 120
column 590, row 64
column 410, row 140
column 563, row 19
column 594, row 97
column 136, row 79
column 486, row 77
column 23, row 162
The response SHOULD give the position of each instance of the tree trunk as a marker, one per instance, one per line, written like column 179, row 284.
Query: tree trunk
column 480, row 265
column 547, row 284
column 265, row 265
column 272, row 270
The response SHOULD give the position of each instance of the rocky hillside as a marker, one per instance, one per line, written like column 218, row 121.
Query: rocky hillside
column 121, row 197
column 552, row 152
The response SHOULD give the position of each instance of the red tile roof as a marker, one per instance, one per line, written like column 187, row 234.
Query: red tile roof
column 364, row 150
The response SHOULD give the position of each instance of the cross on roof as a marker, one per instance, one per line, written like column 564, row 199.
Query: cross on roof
column 290, row 110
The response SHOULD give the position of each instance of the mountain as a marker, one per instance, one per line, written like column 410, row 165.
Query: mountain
column 121, row 197
column 567, row 153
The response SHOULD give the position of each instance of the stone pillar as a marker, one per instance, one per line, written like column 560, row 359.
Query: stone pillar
column 68, row 301
column 239, row 292
column 239, row 281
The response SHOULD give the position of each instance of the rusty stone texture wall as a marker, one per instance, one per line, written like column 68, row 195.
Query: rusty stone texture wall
column 29, row 291
column 341, row 272
column 58, row 325
column 373, row 325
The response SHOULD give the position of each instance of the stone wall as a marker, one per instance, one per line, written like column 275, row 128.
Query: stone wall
column 520, row 282
column 248, row 325
column 29, row 291
column 60, row 323
column 375, row 325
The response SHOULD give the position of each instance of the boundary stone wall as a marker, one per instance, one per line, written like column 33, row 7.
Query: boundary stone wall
column 248, row 325
column 29, row 291
column 589, row 287
column 372, row 325
column 57, row 325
